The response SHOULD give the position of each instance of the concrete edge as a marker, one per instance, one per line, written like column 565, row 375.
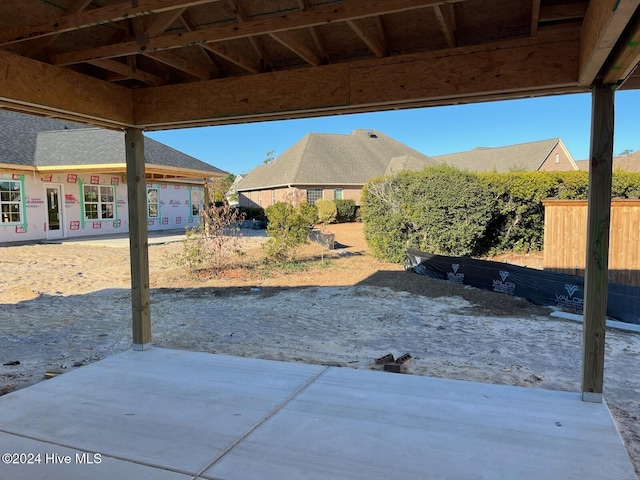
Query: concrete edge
column 625, row 327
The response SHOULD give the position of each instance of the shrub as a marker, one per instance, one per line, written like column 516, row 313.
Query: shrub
column 440, row 209
column 309, row 213
column 327, row 211
column 213, row 243
column 287, row 229
column 346, row 210
column 518, row 223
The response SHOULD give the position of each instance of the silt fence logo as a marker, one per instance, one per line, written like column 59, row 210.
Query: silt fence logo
column 568, row 300
column 502, row 285
column 454, row 276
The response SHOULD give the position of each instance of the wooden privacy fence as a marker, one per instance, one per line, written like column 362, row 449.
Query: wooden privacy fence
column 565, row 228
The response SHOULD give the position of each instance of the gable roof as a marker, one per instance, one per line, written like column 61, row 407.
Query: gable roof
column 32, row 141
column 629, row 163
column 335, row 159
column 521, row 157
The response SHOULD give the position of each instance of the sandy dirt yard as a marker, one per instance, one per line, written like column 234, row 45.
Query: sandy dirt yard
column 66, row 305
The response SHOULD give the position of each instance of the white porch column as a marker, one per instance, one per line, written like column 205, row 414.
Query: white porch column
column 597, row 261
column 138, row 243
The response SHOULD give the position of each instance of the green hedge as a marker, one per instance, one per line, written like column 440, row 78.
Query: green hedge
column 447, row 211
column 440, row 209
column 346, row 210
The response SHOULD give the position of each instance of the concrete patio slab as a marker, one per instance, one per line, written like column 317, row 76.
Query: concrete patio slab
column 176, row 415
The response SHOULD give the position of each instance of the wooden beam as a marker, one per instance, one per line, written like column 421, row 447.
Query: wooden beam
column 462, row 75
column 211, row 59
column 163, row 21
column 342, row 12
column 626, row 56
column 374, row 42
column 502, row 67
column 203, row 72
column 535, row 16
column 603, row 24
column 296, row 46
column 446, row 18
column 126, row 71
column 45, row 89
column 597, row 261
column 97, row 16
column 44, row 42
column 256, row 43
column 317, row 39
column 138, row 243
column 563, row 12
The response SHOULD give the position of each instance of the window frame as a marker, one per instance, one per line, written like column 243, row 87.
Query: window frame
column 337, row 196
column 19, row 202
column 102, row 204
column 199, row 204
column 311, row 192
column 155, row 188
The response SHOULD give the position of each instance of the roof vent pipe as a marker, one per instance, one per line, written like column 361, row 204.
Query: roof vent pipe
column 372, row 135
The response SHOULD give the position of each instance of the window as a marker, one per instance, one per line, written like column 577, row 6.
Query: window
column 153, row 205
column 273, row 197
column 337, row 194
column 98, row 202
column 313, row 194
column 196, row 204
column 10, row 202
column 260, row 198
column 556, row 158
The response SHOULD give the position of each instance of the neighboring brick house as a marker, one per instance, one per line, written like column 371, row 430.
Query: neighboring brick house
column 543, row 155
column 59, row 179
column 328, row 166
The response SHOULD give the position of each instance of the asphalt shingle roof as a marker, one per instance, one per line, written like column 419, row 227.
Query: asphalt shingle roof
column 333, row 159
column 520, row 157
column 41, row 142
column 629, row 163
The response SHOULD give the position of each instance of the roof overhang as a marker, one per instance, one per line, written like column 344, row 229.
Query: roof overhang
column 152, row 170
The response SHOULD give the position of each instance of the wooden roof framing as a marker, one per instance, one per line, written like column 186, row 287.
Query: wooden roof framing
column 160, row 64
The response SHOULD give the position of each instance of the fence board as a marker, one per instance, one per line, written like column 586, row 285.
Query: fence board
column 565, row 229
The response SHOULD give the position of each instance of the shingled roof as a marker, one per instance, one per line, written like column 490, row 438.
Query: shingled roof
column 521, row 157
column 40, row 142
column 336, row 159
column 629, row 163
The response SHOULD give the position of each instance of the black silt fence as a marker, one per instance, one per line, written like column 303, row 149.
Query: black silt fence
column 538, row 286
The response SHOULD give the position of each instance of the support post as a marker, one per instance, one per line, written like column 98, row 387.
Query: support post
column 597, row 262
column 206, row 201
column 138, row 242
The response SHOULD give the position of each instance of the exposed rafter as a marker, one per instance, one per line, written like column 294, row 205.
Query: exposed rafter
column 97, row 16
column 127, row 71
column 563, row 12
column 163, row 21
column 447, row 20
column 535, row 16
column 374, row 41
column 42, row 43
column 256, row 43
column 296, row 46
column 203, row 72
column 222, row 51
column 345, row 11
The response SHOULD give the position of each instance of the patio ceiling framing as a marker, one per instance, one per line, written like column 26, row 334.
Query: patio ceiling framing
column 157, row 64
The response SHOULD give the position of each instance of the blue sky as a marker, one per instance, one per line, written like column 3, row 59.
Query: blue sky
column 432, row 131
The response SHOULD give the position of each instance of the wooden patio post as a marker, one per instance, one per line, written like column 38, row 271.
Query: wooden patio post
column 138, row 243
column 597, row 261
